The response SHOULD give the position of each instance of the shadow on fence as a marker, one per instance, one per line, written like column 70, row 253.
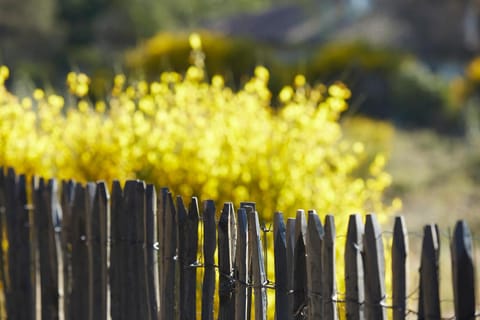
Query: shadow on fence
column 132, row 254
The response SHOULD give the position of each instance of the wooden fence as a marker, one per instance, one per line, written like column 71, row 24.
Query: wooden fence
column 133, row 255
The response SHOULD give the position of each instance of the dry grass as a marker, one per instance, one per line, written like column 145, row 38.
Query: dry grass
column 436, row 181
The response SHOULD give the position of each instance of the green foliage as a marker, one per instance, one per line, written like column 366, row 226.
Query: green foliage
column 387, row 84
column 233, row 58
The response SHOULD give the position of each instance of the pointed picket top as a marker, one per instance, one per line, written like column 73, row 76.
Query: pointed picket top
column 241, row 266
column 255, row 251
column 66, row 199
column 429, row 274
column 354, row 273
column 225, row 264
column 182, row 221
column 374, row 269
column 299, row 267
column 98, row 247
column 80, row 302
column 280, row 255
column 329, row 284
column 463, row 271
column 168, row 302
column 151, row 239
column 290, row 237
column 117, row 262
column 232, row 232
column 193, row 211
column 399, row 268
column 315, row 234
column 209, row 246
column 188, row 271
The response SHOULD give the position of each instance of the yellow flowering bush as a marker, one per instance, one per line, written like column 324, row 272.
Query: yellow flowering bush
column 201, row 138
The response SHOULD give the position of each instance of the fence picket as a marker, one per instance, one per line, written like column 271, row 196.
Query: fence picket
column 182, row 220
column 280, row 254
column 399, row 269
column 300, row 267
column 255, row 251
column 151, row 245
column 140, row 240
column 290, row 233
column 191, row 260
column 374, row 269
column 3, row 271
column 315, row 234
column 169, row 259
column 240, row 266
column 304, row 253
column 131, row 248
column 81, row 280
column 117, row 254
column 354, row 280
column 225, row 264
column 246, row 205
column 44, row 224
column 162, row 200
column 429, row 274
column 67, row 197
column 463, row 272
column 20, row 289
column 11, row 285
column 209, row 245
column 99, row 250
column 329, row 284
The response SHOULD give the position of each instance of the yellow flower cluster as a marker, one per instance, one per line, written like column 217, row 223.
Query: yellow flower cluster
column 200, row 138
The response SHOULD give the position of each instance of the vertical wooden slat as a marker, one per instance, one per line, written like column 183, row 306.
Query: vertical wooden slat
column 134, row 197
column 290, row 234
column 141, row 251
column 20, row 289
column 162, row 200
column 91, row 189
column 209, row 245
column 152, row 253
column 190, row 270
column 280, row 254
column 27, row 248
column 117, row 256
column 169, row 258
column 3, row 271
column 329, row 284
column 81, row 284
column 225, row 264
column 374, row 270
column 241, row 267
column 131, row 247
column 429, row 275
column 463, row 272
column 246, row 205
column 399, row 269
column 300, row 267
column 315, row 234
column 354, row 285
column 43, row 196
column 11, row 283
column 67, row 198
column 255, row 251
column 99, row 251
column 182, row 220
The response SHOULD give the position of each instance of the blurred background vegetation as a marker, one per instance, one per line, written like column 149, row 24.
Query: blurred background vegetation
column 415, row 79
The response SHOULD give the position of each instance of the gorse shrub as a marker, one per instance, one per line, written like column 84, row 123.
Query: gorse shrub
column 199, row 137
